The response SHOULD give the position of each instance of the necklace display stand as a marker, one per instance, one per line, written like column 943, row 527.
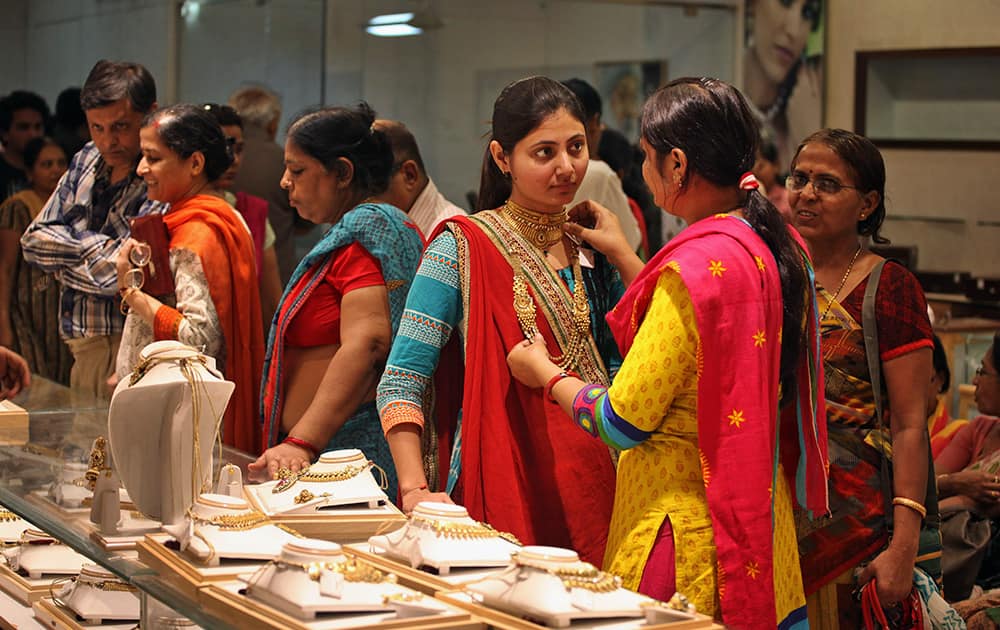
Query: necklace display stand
column 230, row 481
column 337, row 498
column 162, row 425
column 54, row 616
column 552, row 585
column 31, row 567
column 97, row 595
column 224, row 527
column 443, row 536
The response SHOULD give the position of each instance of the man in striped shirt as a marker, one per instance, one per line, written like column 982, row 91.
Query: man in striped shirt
column 78, row 233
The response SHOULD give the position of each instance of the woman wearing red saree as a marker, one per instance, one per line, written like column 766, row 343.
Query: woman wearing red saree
column 714, row 328
column 216, row 303
column 503, row 451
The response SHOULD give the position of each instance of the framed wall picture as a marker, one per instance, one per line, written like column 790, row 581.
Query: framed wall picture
column 624, row 86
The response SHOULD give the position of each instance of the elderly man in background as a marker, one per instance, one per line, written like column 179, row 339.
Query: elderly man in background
column 78, row 233
column 410, row 188
column 262, row 168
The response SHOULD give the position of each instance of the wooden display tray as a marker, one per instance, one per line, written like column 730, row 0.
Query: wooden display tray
column 188, row 577
column 504, row 621
column 52, row 615
column 13, row 424
column 225, row 601
column 24, row 589
column 340, row 525
column 417, row 579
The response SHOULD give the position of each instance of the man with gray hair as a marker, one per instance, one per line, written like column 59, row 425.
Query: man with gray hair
column 262, row 168
column 78, row 233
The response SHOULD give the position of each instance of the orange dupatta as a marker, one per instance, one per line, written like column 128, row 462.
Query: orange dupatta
column 208, row 226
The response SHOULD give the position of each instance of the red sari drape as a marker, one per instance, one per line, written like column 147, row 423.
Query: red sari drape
column 526, row 468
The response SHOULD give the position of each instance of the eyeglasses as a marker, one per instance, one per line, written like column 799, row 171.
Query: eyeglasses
column 981, row 371
column 796, row 182
column 141, row 255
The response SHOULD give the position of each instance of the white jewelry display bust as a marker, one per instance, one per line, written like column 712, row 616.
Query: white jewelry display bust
column 97, row 595
column 40, row 554
column 442, row 536
column 314, row 576
column 553, row 585
column 338, row 478
column 225, row 527
column 162, row 425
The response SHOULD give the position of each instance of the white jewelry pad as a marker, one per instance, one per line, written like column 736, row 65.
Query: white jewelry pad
column 418, row 544
column 531, row 591
column 40, row 559
column 311, row 497
column 93, row 604
column 211, row 543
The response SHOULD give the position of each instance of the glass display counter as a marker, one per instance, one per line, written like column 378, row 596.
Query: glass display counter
column 62, row 428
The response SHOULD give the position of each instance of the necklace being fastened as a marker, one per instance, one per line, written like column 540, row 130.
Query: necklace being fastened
column 541, row 229
column 843, row 281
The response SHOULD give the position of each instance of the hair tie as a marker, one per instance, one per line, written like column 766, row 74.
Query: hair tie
column 749, row 181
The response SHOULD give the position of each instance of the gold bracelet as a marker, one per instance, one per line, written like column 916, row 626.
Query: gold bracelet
column 913, row 505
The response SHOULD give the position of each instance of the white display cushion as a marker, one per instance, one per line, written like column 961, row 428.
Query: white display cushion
column 338, row 478
column 11, row 526
column 442, row 536
column 96, row 595
column 554, row 586
column 312, row 576
column 161, row 451
column 39, row 554
column 226, row 527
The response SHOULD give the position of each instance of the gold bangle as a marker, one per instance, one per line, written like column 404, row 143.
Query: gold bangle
column 913, row 505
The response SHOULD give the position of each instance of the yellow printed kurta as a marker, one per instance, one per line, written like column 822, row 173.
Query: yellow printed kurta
column 656, row 390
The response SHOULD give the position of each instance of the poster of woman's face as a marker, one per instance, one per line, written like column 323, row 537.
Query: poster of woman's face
column 782, row 64
column 624, row 87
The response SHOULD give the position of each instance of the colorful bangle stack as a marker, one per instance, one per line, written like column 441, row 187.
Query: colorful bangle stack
column 313, row 450
column 555, row 379
column 913, row 505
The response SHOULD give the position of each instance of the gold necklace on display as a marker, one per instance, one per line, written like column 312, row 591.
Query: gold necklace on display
column 843, row 281
column 287, row 478
column 464, row 531
column 541, row 229
column 585, row 576
column 353, row 570
column 238, row 522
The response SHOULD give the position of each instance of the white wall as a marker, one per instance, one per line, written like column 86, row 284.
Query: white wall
column 442, row 84
column 13, row 29
column 923, row 183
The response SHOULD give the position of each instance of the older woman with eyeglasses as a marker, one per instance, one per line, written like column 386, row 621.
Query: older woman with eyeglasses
column 837, row 194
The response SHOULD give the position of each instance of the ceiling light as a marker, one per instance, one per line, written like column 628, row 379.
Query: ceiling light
column 390, row 18
column 393, row 30
column 402, row 24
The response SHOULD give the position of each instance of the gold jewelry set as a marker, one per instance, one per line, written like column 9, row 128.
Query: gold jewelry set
column 463, row 531
column 287, row 478
column 584, row 575
column 543, row 231
column 353, row 570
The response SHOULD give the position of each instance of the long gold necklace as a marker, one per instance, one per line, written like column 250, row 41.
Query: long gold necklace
column 541, row 229
column 843, row 281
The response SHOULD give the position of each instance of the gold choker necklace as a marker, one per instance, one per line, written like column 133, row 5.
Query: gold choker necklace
column 353, row 570
column 239, row 522
column 287, row 478
column 541, row 229
column 584, row 575
column 464, row 531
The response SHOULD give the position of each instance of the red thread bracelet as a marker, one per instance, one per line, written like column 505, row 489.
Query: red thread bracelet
column 421, row 487
column 303, row 444
column 555, row 379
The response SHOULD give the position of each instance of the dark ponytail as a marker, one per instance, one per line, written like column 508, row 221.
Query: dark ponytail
column 519, row 109
column 711, row 122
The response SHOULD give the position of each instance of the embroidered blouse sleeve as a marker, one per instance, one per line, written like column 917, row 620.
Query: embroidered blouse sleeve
column 661, row 361
column 194, row 321
column 433, row 309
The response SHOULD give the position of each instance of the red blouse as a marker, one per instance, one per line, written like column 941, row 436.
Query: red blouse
column 318, row 321
column 900, row 310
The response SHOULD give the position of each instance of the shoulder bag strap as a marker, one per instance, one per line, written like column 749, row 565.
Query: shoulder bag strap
column 869, row 326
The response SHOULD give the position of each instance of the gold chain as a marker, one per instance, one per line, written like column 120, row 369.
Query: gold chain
column 585, row 576
column 541, row 229
column 110, row 585
column 843, row 281
column 353, row 570
column 238, row 522
column 524, row 308
column 466, row 531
